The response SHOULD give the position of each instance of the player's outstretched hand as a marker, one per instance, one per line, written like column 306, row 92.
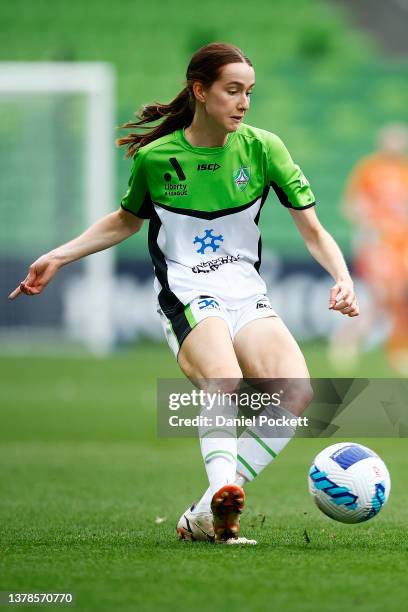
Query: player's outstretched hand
column 39, row 275
column 343, row 298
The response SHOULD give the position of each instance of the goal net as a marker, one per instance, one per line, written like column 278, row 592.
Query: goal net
column 56, row 158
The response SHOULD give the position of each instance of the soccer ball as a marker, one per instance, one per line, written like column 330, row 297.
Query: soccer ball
column 349, row 482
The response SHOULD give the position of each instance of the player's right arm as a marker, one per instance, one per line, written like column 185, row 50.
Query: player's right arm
column 108, row 231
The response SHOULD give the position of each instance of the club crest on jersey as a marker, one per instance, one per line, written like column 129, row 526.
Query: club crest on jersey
column 241, row 177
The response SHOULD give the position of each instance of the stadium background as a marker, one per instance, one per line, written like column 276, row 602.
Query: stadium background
column 83, row 474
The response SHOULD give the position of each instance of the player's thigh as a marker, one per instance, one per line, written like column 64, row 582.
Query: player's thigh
column 208, row 353
column 266, row 350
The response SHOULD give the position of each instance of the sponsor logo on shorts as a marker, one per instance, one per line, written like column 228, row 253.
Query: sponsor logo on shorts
column 208, row 303
column 264, row 303
column 211, row 266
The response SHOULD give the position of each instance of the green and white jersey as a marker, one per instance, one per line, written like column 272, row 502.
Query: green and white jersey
column 203, row 206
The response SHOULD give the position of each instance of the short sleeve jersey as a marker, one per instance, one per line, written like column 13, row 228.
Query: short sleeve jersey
column 204, row 205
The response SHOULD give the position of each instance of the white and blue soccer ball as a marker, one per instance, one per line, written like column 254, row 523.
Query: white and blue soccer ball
column 349, row 482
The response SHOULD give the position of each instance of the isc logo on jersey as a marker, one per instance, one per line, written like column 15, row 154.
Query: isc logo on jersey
column 212, row 167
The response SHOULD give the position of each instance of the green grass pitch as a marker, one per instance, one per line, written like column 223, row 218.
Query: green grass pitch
column 83, row 478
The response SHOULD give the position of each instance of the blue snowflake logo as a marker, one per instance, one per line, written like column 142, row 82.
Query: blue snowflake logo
column 211, row 244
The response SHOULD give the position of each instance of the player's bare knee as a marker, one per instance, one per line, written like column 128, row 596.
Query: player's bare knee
column 213, row 377
column 223, row 379
column 262, row 370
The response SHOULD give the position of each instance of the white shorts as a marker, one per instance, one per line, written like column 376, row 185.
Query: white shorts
column 178, row 328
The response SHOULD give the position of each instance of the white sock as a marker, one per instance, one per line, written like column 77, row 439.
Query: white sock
column 240, row 480
column 219, row 453
column 220, row 471
column 258, row 446
column 204, row 505
column 256, row 450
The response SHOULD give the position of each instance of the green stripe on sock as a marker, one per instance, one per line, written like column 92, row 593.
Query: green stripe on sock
column 189, row 316
column 219, row 452
column 262, row 443
column 218, row 429
column 248, row 467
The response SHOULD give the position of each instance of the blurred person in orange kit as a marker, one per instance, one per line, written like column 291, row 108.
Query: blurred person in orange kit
column 376, row 202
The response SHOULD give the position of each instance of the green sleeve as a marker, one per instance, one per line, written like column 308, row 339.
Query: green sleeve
column 137, row 198
column 290, row 184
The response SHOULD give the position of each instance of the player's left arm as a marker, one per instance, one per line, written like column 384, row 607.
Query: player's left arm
column 294, row 192
column 325, row 250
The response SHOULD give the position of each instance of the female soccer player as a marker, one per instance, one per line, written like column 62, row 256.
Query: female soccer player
column 201, row 177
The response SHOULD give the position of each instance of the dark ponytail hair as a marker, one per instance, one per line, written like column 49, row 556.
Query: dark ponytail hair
column 204, row 66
